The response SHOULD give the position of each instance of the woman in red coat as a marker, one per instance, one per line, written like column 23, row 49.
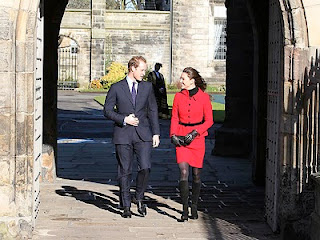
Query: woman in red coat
column 191, row 118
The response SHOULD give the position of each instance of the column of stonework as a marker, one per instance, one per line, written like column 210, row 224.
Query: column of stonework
column 98, row 39
column 17, row 29
column 234, row 137
column 190, row 37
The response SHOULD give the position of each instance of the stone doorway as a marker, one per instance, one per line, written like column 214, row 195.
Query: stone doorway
column 296, row 159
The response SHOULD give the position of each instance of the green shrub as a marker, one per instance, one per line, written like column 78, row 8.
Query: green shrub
column 215, row 88
column 95, row 84
column 116, row 72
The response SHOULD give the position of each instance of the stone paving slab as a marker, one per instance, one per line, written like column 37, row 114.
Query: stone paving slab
column 88, row 210
column 83, row 202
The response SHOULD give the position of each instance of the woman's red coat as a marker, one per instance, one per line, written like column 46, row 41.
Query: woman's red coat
column 193, row 109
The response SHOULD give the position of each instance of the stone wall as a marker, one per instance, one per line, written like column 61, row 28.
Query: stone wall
column 193, row 38
column 98, row 39
column 185, row 38
column 145, row 33
column 79, row 4
column 80, row 32
column 17, row 48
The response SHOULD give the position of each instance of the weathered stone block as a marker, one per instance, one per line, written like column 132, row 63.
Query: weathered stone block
column 23, row 199
column 15, row 229
column 6, row 25
column 6, row 201
column 6, row 56
column 4, row 172
column 48, row 171
column 24, row 131
column 20, row 57
column 21, row 170
column 29, row 88
column 6, row 84
column 30, row 56
column 5, row 135
column 83, row 20
column 21, row 92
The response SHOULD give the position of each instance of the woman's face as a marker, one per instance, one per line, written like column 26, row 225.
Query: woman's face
column 186, row 82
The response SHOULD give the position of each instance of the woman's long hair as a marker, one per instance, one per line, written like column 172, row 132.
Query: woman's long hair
column 198, row 80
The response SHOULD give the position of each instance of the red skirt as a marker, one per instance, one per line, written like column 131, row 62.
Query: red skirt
column 193, row 153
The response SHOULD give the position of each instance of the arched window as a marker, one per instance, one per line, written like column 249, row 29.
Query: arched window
column 67, row 63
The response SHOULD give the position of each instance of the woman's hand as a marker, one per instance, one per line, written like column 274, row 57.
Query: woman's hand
column 190, row 137
column 178, row 140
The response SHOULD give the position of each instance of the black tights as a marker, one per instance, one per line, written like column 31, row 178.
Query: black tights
column 184, row 172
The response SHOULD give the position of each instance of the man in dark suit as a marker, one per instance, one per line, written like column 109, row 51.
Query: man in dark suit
column 136, row 130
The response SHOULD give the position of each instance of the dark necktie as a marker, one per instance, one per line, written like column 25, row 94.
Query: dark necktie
column 133, row 93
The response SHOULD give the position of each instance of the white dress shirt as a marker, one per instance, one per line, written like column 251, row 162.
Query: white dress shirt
column 130, row 83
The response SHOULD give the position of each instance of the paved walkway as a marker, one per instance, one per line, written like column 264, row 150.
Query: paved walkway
column 83, row 202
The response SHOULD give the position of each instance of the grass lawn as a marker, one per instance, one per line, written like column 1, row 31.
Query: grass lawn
column 218, row 108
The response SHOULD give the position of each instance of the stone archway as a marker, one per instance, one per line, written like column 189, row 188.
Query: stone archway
column 83, row 41
column 278, row 122
column 18, row 53
column 288, row 171
column 21, row 109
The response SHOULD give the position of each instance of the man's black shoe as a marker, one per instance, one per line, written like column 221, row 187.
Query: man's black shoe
column 141, row 208
column 126, row 213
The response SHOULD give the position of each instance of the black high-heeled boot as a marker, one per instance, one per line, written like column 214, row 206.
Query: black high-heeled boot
column 196, row 186
column 184, row 194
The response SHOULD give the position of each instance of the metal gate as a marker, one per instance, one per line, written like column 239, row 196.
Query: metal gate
column 275, row 99
column 67, row 67
column 38, row 93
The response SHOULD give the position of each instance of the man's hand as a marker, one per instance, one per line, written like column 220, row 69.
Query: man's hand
column 190, row 137
column 177, row 140
column 131, row 120
column 155, row 141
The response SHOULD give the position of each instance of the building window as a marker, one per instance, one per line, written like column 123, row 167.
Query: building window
column 220, row 39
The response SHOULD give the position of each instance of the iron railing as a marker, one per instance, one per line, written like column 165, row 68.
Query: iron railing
column 67, row 68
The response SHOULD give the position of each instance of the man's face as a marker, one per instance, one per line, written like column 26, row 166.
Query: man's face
column 140, row 71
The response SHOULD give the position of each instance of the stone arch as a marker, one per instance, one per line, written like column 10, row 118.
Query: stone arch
column 83, row 41
column 68, row 36
column 292, row 44
column 17, row 114
column 17, row 111
column 285, row 172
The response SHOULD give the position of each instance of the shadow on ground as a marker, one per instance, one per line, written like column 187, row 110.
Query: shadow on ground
column 228, row 197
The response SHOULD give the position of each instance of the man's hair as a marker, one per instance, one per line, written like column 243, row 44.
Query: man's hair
column 135, row 61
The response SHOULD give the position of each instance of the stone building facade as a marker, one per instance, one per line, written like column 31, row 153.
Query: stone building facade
column 272, row 69
column 116, row 35
column 193, row 40
column 145, row 33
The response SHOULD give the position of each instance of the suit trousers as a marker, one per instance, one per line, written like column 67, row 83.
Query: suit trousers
column 125, row 156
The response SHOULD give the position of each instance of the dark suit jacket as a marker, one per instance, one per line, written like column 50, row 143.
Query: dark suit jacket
column 145, row 110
